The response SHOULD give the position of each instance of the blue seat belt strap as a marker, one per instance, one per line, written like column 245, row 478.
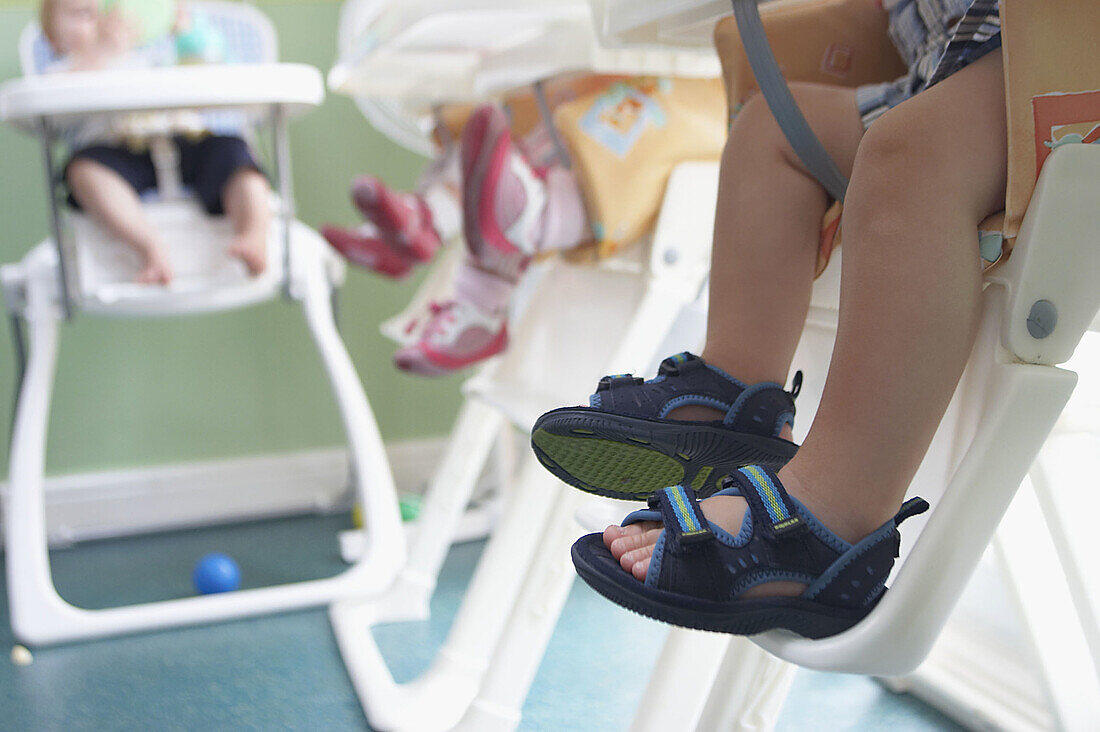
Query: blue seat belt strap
column 782, row 104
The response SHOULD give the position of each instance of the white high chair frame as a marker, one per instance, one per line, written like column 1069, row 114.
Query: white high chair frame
column 481, row 676
column 1007, row 403
column 41, row 291
column 1011, row 388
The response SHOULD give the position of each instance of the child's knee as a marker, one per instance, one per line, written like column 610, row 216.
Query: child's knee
column 754, row 129
column 82, row 171
column 249, row 176
column 901, row 150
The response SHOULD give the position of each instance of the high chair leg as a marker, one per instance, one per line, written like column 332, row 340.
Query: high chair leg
column 1037, row 577
column 34, row 605
column 735, row 685
column 384, row 552
column 39, row 615
column 439, row 697
column 667, row 703
column 748, row 691
column 450, row 491
column 546, row 581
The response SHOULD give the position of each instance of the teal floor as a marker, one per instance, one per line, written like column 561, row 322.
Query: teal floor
column 284, row 673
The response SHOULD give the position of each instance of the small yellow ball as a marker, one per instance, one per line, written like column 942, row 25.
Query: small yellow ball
column 20, row 656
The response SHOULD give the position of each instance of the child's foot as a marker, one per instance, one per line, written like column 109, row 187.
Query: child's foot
column 633, row 545
column 155, row 269
column 503, row 197
column 457, row 335
column 693, row 425
column 403, row 219
column 370, row 252
column 252, row 250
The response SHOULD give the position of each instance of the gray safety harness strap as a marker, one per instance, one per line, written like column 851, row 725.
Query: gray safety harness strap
column 782, row 104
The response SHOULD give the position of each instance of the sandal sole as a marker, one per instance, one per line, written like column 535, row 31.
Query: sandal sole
column 632, row 458
column 598, row 568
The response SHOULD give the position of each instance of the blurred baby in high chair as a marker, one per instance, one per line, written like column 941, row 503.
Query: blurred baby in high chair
column 519, row 184
column 111, row 162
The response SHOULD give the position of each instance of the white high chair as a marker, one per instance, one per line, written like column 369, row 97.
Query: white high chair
column 481, row 676
column 81, row 269
column 1037, row 307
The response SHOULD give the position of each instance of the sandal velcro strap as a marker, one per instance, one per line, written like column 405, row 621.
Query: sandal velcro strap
column 610, row 382
column 683, row 518
column 681, row 363
column 912, row 507
column 771, row 506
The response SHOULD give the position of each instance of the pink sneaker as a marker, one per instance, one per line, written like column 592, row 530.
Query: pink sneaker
column 370, row 252
column 502, row 196
column 403, row 219
column 457, row 335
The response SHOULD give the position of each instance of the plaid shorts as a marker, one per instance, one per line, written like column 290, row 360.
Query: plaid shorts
column 936, row 38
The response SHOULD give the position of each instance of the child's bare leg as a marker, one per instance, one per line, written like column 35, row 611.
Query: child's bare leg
column 766, row 233
column 909, row 303
column 909, row 308
column 109, row 199
column 247, row 202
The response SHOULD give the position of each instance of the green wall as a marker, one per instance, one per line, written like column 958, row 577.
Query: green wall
column 246, row 382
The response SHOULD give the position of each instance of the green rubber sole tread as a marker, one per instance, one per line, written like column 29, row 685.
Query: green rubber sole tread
column 607, row 465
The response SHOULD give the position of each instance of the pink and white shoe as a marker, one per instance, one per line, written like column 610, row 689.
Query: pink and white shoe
column 458, row 334
column 503, row 197
column 403, row 219
column 370, row 252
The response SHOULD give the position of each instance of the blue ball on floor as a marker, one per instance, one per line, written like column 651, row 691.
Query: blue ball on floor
column 216, row 573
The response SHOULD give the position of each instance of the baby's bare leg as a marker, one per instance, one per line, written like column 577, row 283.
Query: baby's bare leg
column 247, row 202
column 110, row 200
column 927, row 173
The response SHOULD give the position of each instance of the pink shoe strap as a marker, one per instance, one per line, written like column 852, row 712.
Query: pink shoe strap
column 488, row 292
column 564, row 220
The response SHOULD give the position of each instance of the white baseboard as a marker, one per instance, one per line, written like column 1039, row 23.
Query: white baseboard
column 105, row 504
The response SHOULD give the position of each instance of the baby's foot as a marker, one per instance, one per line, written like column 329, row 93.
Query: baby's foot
column 457, row 335
column 403, row 219
column 155, row 269
column 374, row 252
column 252, row 250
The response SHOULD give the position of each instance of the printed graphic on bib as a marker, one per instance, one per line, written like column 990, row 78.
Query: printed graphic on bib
column 1065, row 119
column 619, row 116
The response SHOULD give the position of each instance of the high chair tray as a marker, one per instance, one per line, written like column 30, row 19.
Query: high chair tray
column 679, row 23
column 465, row 51
column 252, row 88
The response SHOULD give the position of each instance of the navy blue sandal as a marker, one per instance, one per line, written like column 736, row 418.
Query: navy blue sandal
column 623, row 445
column 698, row 571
